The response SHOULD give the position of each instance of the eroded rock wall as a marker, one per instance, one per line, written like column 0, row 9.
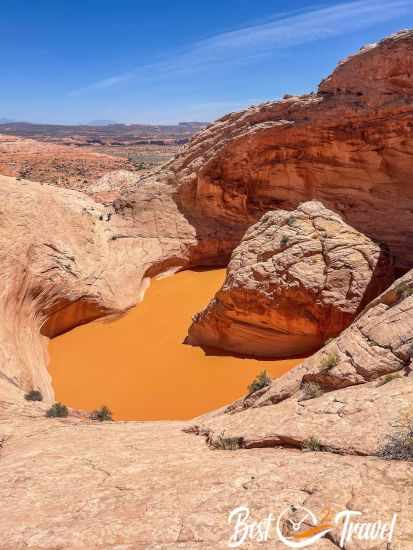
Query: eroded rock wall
column 66, row 260
column 349, row 145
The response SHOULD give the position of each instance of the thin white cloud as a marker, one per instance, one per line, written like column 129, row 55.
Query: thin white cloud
column 243, row 45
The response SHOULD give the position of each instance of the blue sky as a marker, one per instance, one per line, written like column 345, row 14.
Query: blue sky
column 163, row 61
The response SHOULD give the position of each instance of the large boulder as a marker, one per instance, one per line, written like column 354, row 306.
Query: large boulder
column 377, row 345
column 295, row 280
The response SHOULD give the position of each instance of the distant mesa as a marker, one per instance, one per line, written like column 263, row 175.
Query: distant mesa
column 102, row 123
column 4, row 120
column 194, row 124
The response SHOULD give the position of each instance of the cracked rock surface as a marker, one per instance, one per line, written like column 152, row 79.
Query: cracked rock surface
column 349, row 396
column 295, row 280
column 149, row 486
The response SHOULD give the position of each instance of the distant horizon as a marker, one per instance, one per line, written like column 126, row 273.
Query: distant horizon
column 5, row 120
column 161, row 64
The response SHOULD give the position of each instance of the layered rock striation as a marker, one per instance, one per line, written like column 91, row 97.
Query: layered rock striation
column 67, row 260
column 348, row 145
column 296, row 279
column 350, row 396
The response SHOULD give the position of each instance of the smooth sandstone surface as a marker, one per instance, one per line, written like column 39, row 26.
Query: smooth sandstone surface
column 295, row 280
column 69, row 484
column 149, row 486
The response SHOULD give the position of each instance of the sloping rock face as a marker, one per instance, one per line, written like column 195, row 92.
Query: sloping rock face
column 348, row 398
column 349, row 145
column 295, row 280
column 79, row 485
column 66, row 260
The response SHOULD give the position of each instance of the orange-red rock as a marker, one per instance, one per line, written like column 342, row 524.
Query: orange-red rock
column 295, row 280
column 349, row 145
column 64, row 165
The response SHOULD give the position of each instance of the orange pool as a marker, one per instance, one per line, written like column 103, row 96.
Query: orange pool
column 138, row 365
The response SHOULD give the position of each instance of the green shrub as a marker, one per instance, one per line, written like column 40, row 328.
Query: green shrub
column 104, row 414
column 311, row 390
column 226, row 443
column 284, row 240
column 398, row 446
column 34, row 395
column 312, row 444
column 388, row 378
column 329, row 361
column 403, row 290
column 57, row 411
column 291, row 221
column 261, row 381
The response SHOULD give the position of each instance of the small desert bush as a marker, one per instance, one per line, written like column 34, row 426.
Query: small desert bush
column 329, row 361
column 58, row 410
column 388, row 378
column 226, row 443
column 33, row 395
column 291, row 221
column 261, row 381
column 398, row 446
column 104, row 414
column 403, row 290
column 284, row 240
column 311, row 390
column 312, row 444
column 409, row 352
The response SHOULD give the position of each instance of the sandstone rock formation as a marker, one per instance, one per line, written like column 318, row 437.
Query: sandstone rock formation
column 72, row 483
column 66, row 259
column 349, row 145
column 378, row 344
column 66, row 166
column 363, row 381
column 295, row 280
column 76, row 485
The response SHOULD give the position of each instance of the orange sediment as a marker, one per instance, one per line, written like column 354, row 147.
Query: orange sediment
column 138, row 365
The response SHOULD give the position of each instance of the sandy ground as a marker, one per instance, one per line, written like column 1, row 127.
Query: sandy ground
column 139, row 366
